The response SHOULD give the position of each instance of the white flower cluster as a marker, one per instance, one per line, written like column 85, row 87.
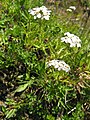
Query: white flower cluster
column 72, row 39
column 59, row 64
column 40, row 12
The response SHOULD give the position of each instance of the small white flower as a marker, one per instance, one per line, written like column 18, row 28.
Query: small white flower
column 72, row 45
column 43, row 8
column 58, row 64
column 78, row 45
column 31, row 12
column 45, row 17
column 39, row 15
column 68, row 34
column 37, row 9
column 35, row 17
column 72, row 7
column 72, row 39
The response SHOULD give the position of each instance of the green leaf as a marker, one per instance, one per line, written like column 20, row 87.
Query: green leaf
column 37, row 46
column 21, row 88
column 10, row 113
column 50, row 117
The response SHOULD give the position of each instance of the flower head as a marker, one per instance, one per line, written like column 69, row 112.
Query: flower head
column 72, row 39
column 58, row 64
column 40, row 12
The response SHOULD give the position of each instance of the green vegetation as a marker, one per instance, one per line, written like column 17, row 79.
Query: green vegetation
column 29, row 90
